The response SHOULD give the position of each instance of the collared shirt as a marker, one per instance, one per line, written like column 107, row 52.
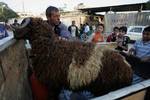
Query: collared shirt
column 87, row 29
column 142, row 49
column 62, row 31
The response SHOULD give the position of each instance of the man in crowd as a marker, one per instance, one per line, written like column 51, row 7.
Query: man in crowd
column 73, row 30
column 16, row 23
column 53, row 18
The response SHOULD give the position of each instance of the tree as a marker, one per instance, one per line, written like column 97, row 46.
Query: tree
column 6, row 13
column 148, row 5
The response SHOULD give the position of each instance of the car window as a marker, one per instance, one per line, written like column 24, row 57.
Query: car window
column 136, row 30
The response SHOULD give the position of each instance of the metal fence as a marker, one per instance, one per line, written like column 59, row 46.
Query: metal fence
column 126, row 19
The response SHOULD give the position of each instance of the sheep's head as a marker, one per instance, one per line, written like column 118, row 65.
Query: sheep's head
column 32, row 28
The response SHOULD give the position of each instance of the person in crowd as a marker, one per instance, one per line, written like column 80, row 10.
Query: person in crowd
column 7, row 26
column 97, row 36
column 74, row 30
column 81, row 29
column 16, row 22
column 53, row 18
column 84, row 37
column 122, row 41
column 90, row 31
column 86, row 28
column 113, row 36
column 93, row 27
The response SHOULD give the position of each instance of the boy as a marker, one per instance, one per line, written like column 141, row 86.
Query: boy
column 97, row 36
column 122, row 41
column 112, row 37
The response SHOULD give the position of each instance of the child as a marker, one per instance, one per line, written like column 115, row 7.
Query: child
column 113, row 36
column 122, row 41
column 97, row 36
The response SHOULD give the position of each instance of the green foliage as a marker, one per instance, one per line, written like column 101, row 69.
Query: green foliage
column 6, row 13
column 148, row 5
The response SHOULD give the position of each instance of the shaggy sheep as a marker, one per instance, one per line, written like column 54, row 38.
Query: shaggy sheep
column 72, row 65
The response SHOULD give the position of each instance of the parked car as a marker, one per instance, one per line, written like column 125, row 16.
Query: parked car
column 3, row 31
column 135, row 32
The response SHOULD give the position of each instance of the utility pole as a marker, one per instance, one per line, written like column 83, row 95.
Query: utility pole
column 23, row 6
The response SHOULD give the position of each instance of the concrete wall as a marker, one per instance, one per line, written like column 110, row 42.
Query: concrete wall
column 13, row 72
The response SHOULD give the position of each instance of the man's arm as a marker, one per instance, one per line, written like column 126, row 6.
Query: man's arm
column 123, row 47
column 77, row 32
column 69, row 29
column 146, row 59
column 132, row 51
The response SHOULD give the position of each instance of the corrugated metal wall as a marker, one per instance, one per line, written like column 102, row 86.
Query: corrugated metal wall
column 126, row 19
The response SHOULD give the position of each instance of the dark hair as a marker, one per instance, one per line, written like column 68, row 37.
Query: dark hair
column 116, row 28
column 123, row 29
column 51, row 9
column 100, row 25
column 147, row 29
column 15, row 20
column 73, row 21
column 86, row 23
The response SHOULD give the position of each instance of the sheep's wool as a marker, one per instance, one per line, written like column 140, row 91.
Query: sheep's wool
column 81, row 76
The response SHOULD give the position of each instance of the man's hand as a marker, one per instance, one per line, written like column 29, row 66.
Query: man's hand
column 146, row 59
column 132, row 51
column 61, row 38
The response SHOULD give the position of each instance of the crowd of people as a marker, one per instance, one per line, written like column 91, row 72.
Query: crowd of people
column 87, row 33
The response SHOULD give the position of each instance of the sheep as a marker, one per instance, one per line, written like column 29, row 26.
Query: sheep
column 72, row 65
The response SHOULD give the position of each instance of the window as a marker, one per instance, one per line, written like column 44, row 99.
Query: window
column 136, row 29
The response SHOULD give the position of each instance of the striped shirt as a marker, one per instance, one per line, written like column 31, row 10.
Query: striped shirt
column 142, row 49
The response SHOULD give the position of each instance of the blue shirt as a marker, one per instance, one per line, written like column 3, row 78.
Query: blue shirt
column 142, row 49
column 64, row 31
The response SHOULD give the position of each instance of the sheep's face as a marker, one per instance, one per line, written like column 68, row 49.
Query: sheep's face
column 31, row 28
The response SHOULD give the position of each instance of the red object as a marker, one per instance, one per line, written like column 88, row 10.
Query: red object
column 109, row 38
column 40, row 92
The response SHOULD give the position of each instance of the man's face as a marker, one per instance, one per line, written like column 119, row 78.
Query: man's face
column 54, row 19
column 73, row 22
column 146, row 36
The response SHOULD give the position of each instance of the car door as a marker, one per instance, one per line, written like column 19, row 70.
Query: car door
column 135, row 33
